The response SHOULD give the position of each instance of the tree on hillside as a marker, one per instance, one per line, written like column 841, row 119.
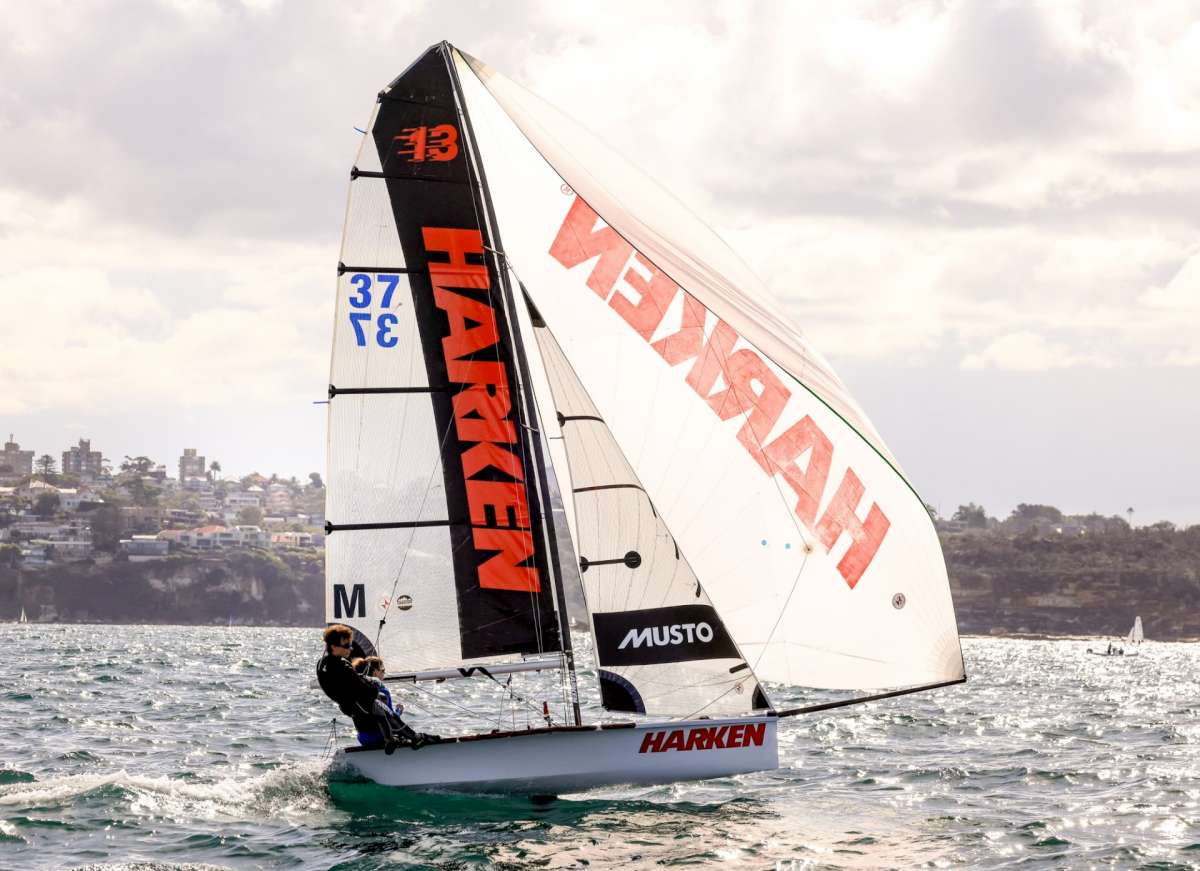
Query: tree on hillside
column 106, row 527
column 46, row 465
column 1037, row 512
column 932, row 512
column 214, row 468
column 249, row 516
column 46, row 505
column 141, row 494
column 971, row 514
column 138, row 465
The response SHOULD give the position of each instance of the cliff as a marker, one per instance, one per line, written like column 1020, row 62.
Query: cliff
column 245, row 586
column 1077, row 585
column 1043, row 584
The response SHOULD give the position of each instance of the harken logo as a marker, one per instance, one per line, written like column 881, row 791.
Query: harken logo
column 704, row 738
column 662, row 636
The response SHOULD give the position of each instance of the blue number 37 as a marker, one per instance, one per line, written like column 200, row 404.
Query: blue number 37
column 361, row 299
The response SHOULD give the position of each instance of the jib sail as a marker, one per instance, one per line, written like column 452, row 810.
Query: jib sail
column 778, row 492
column 660, row 646
column 438, row 547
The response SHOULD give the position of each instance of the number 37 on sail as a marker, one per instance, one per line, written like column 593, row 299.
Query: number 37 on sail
column 525, row 322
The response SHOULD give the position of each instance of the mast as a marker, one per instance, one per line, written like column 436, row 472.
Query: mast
column 491, row 234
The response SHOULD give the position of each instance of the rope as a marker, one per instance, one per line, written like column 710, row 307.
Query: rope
column 331, row 741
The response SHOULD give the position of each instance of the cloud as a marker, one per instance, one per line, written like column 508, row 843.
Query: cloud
column 1011, row 185
column 1182, row 293
column 1027, row 352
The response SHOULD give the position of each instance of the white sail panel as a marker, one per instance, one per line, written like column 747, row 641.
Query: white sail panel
column 660, row 646
column 1136, row 633
column 370, row 236
column 384, row 464
column 672, row 237
column 370, row 570
column 818, row 555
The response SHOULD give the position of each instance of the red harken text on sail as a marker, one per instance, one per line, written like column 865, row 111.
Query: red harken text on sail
column 752, row 387
column 481, row 414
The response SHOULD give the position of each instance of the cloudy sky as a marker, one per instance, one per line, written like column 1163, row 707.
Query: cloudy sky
column 986, row 214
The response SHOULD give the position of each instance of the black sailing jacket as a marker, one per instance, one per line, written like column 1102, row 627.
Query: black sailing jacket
column 353, row 693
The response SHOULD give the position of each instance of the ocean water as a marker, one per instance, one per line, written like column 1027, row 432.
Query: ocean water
column 191, row 747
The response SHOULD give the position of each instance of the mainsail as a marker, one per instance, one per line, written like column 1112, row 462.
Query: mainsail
column 513, row 294
column 439, row 545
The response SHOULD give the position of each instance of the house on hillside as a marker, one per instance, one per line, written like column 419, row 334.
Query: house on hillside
column 141, row 548
column 238, row 499
column 71, row 499
column 213, row 537
column 252, row 536
column 292, row 539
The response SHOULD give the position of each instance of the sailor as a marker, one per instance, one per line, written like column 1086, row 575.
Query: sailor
column 368, row 735
column 356, row 696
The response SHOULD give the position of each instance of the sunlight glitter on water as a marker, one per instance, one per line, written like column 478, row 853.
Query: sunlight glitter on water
column 200, row 745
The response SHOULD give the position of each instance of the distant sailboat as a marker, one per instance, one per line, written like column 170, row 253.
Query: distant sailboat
column 1134, row 638
column 22, row 618
column 735, row 515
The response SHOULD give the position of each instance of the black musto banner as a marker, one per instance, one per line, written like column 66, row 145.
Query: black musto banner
column 505, row 590
column 659, row 635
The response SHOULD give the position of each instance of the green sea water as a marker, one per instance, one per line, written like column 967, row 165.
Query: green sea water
column 201, row 747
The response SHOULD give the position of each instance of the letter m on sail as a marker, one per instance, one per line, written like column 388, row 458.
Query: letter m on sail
column 353, row 606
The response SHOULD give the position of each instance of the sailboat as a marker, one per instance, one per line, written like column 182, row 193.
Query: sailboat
column 523, row 317
column 1134, row 638
column 22, row 618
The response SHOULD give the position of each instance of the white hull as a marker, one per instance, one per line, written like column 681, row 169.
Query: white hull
column 552, row 761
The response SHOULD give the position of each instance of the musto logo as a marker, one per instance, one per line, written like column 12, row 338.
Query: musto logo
column 704, row 738
column 653, row 636
column 660, row 636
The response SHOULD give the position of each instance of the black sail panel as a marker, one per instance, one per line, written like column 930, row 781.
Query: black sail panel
column 494, row 513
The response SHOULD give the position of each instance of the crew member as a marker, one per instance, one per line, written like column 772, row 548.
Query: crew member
column 355, row 695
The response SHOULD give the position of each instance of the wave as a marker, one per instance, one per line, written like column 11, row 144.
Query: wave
column 298, row 788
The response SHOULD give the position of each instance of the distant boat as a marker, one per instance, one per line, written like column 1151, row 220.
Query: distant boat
column 1134, row 638
column 22, row 618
